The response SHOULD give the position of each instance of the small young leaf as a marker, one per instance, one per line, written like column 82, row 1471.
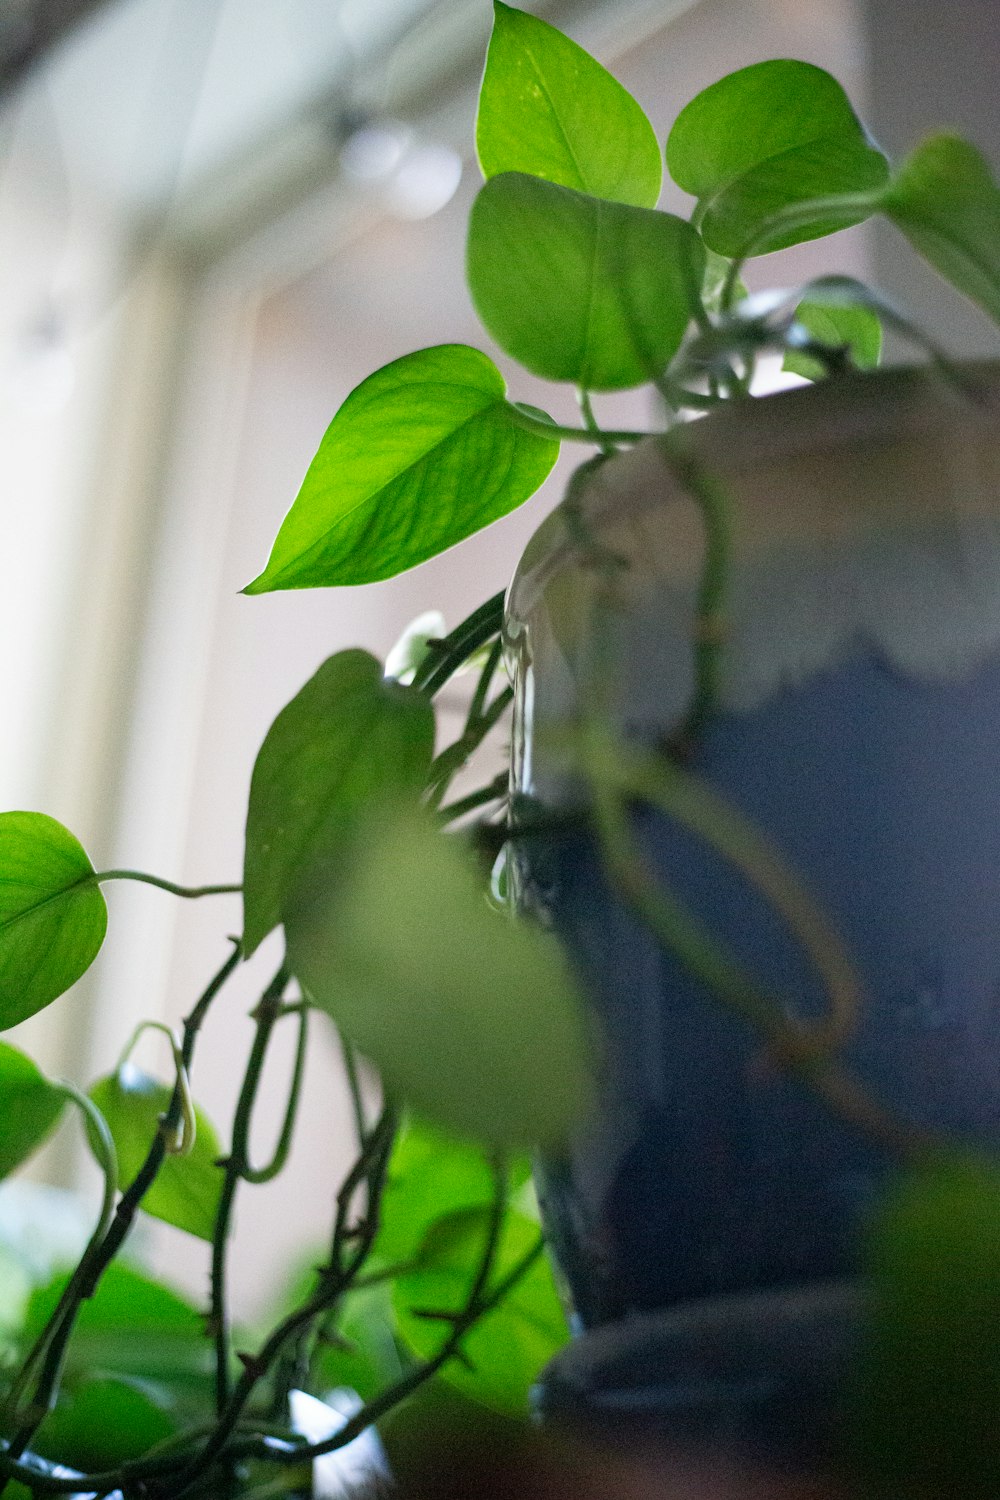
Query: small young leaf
column 29, row 1107
column 470, row 1016
column 764, row 138
column 421, row 455
column 946, row 202
column 852, row 328
column 548, row 109
column 351, row 737
column 52, row 914
column 508, row 1349
column 579, row 289
column 186, row 1190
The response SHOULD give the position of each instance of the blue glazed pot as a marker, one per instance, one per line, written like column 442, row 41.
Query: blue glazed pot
column 858, row 726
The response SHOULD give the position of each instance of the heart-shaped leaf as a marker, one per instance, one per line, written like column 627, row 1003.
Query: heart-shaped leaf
column 107, row 1420
column 767, row 137
column 470, row 1016
column 507, row 1350
column 547, row 108
column 52, row 914
column 422, row 454
column 946, row 202
column 186, row 1189
column 579, row 289
column 29, row 1107
column 351, row 737
column 852, row 328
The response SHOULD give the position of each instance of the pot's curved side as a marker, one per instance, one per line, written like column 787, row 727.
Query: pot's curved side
column 858, row 725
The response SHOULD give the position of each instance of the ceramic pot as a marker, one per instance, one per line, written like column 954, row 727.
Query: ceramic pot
column 858, row 725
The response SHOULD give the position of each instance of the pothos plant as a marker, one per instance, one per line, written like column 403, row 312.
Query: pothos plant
column 355, row 845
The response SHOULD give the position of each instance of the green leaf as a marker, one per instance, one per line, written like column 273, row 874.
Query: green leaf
column 422, row 454
column 106, row 1421
column 507, row 1350
column 579, row 289
column 186, row 1190
column 432, row 1174
column 132, row 1326
column 548, row 109
column 766, row 137
column 362, row 1355
column 52, row 914
column 471, row 1017
column 929, row 1385
column 350, row 739
column 29, row 1107
column 856, row 330
column 946, row 202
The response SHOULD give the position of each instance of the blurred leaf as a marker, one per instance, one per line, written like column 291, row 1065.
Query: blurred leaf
column 548, row 109
column 410, row 651
column 186, row 1190
column 764, row 138
column 361, row 1354
column 946, row 202
column 132, row 1326
column 105, row 1421
column 29, row 1107
column 854, row 329
column 926, row 1407
column 508, row 1349
column 421, row 455
column 52, row 914
column 579, row 289
column 471, row 1017
column 350, row 738
column 716, row 272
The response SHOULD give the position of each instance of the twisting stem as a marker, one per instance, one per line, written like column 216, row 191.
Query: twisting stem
column 181, row 1142
column 190, row 892
column 50, row 1348
column 235, row 1166
column 452, row 759
column 592, row 425
column 333, row 1281
column 573, row 434
column 277, row 1162
column 354, row 1087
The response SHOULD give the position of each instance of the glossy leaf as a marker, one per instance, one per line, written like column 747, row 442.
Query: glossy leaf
column 854, row 329
column 471, row 1017
column 29, row 1108
column 349, row 739
column 52, row 914
column 508, row 1349
column 945, row 200
column 579, row 289
column 546, row 107
column 186, row 1190
column 107, row 1420
column 422, row 454
column 930, row 1374
column 766, row 137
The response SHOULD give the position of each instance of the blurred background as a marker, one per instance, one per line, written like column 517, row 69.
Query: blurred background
column 217, row 217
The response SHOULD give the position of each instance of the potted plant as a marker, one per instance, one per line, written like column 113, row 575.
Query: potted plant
column 646, row 698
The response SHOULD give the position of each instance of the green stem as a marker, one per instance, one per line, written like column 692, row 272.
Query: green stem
column 451, row 760
column 50, row 1348
column 277, row 1162
column 235, row 1167
column 590, row 422
column 180, row 1143
column 574, row 434
column 190, row 892
column 710, row 617
column 791, row 1044
column 354, row 1088
column 448, row 655
column 495, row 791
